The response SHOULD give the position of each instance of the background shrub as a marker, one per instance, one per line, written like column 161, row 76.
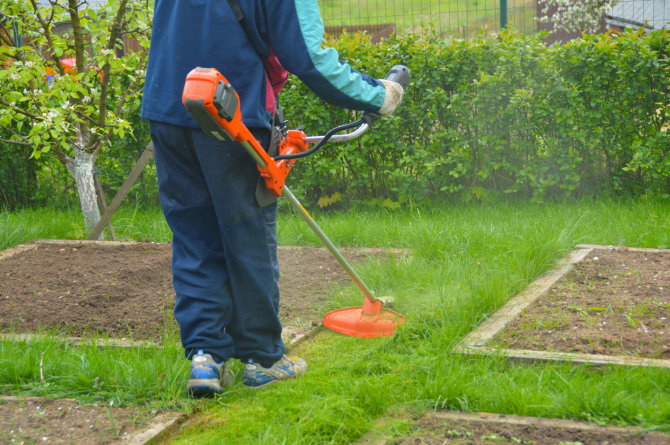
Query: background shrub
column 501, row 115
column 18, row 178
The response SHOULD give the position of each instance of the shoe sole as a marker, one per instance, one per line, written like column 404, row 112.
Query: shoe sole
column 204, row 387
column 266, row 384
column 263, row 385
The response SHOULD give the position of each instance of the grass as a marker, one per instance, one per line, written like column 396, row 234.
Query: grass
column 132, row 223
column 468, row 261
column 90, row 372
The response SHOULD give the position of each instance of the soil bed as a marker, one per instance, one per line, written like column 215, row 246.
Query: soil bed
column 614, row 302
column 432, row 430
column 64, row 421
column 125, row 290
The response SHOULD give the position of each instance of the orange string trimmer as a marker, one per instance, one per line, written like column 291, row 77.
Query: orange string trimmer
column 215, row 105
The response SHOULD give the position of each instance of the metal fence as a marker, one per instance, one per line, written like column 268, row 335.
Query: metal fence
column 466, row 18
column 648, row 14
column 462, row 18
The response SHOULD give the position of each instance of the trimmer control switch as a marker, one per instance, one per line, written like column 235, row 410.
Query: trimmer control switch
column 225, row 100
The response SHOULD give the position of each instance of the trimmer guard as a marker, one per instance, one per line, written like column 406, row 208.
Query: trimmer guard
column 367, row 321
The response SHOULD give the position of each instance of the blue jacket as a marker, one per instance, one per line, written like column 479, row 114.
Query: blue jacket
column 205, row 33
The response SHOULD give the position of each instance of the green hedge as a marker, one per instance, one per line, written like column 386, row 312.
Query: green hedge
column 501, row 115
column 18, row 177
column 498, row 117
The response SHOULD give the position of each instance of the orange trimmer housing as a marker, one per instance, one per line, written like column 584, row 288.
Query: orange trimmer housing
column 215, row 106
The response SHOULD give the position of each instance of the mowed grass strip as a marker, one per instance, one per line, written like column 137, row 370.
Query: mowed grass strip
column 467, row 262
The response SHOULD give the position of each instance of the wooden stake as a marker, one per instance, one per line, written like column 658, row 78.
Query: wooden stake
column 147, row 154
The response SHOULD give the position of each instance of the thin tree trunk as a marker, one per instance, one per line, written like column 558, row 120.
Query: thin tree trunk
column 81, row 169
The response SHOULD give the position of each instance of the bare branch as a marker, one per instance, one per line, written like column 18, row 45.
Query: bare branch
column 53, row 12
column 78, row 35
column 86, row 117
column 20, row 110
column 59, row 154
column 46, row 28
column 6, row 39
column 24, row 139
column 117, row 26
column 9, row 141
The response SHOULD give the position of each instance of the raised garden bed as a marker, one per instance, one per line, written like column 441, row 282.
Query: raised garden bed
column 454, row 427
column 124, row 290
column 602, row 305
column 65, row 421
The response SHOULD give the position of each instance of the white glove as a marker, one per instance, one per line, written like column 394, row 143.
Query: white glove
column 392, row 98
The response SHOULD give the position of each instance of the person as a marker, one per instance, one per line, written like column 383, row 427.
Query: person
column 224, row 248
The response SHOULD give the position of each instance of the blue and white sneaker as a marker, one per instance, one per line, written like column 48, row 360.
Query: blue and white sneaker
column 207, row 376
column 256, row 375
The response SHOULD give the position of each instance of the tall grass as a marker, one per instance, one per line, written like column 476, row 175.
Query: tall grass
column 466, row 262
column 89, row 372
column 129, row 223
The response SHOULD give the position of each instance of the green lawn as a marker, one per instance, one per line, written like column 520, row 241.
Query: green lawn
column 468, row 261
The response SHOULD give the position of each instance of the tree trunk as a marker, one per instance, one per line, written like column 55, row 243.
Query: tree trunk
column 81, row 169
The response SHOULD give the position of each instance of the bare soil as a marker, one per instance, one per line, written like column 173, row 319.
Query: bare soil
column 614, row 302
column 64, row 421
column 434, row 431
column 126, row 290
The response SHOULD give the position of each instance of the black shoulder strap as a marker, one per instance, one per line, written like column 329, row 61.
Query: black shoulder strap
column 237, row 10
column 235, row 6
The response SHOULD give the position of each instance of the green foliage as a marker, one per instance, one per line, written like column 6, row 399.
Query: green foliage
column 18, row 178
column 72, row 115
column 500, row 115
column 53, row 109
column 122, row 155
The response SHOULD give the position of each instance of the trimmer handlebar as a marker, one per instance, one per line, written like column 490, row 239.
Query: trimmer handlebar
column 398, row 73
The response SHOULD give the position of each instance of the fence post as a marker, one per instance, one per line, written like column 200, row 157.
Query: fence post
column 503, row 14
column 18, row 41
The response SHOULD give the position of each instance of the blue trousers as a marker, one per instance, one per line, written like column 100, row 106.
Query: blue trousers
column 224, row 246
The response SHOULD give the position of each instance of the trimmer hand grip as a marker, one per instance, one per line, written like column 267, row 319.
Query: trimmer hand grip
column 400, row 74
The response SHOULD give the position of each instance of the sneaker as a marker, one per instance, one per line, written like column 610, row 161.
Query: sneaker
column 207, row 376
column 256, row 375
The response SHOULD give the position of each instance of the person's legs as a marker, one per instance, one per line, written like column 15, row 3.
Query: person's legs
column 248, row 235
column 224, row 263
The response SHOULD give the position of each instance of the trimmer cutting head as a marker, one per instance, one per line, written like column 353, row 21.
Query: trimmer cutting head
column 368, row 321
